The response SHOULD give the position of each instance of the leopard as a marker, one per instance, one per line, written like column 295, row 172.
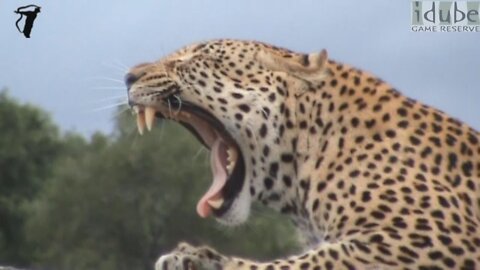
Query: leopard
column 370, row 178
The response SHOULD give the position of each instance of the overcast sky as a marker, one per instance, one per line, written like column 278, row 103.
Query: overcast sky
column 78, row 48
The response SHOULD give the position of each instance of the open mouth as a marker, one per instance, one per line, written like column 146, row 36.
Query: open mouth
column 226, row 159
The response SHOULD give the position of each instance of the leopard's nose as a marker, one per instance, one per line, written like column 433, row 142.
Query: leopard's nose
column 135, row 74
column 130, row 79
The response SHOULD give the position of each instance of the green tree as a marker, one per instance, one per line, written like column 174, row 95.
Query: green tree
column 29, row 143
column 119, row 202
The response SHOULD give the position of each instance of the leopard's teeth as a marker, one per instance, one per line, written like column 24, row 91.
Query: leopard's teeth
column 215, row 203
column 140, row 122
column 136, row 109
column 229, row 168
column 149, row 117
column 231, row 159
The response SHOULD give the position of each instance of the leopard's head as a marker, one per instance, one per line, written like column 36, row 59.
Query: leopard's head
column 239, row 99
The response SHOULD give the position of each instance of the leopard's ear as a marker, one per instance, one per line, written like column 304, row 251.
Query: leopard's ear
column 309, row 67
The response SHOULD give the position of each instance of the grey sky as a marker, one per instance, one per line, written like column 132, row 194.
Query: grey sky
column 76, row 45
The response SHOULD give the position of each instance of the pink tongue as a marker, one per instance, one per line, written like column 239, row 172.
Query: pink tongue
column 219, row 180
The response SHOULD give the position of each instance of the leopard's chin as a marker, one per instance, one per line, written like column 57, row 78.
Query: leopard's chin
column 228, row 198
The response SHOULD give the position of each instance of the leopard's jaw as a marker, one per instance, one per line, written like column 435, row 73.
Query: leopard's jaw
column 239, row 209
column 239, row 212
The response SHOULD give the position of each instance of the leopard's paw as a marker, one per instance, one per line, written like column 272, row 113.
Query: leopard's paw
column 187, row 257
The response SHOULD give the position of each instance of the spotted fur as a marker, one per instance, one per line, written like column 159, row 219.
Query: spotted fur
column 372, row 179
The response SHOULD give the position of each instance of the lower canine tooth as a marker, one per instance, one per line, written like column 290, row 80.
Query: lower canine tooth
column 232, row 154
column 215, row 203
column 229, row 168
column 149, row 117
column 140, row 122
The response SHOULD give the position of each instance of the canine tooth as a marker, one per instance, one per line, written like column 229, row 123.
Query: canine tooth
column 229, row 168
column 140, row 123
column 215, row 203
column 232, row 154
column 136, row 109
column 149, row 117
column 231, row 159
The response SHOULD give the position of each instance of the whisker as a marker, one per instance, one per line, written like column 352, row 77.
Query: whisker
column 117, row 68
column 199, row 152
column 120, row 112
column 264, row 112
column 122, row 65
column 109, row 106
column 109, row 88
column 252, row 130
column 169, row 108
column 180, row 104
column 107, row 79
column 123, row 97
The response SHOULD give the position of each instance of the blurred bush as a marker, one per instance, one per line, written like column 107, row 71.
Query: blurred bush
column 111, row 202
